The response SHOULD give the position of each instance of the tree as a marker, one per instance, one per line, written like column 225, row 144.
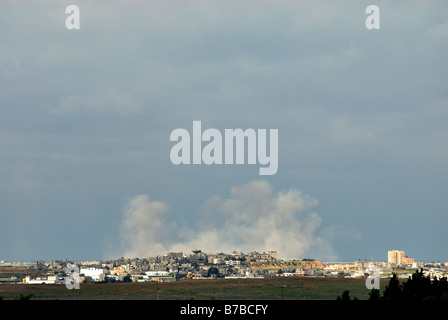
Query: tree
column 345, row 296
column 417, row 287
column 393, row 289
column 213, row 271
column 374, row 295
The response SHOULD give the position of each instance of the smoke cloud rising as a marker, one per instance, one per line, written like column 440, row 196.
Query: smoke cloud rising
column 252, row 218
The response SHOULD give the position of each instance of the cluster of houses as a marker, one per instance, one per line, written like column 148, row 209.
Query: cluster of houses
column 360, row 268
column 199, row 265
column 170, row 267
column 176, row 265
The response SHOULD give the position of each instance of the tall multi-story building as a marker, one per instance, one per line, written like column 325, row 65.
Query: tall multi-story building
column 395, row 257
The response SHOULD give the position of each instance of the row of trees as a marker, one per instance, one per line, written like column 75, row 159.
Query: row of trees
column 417, row 287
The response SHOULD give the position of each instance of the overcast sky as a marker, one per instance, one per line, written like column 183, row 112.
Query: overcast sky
column 86, row 117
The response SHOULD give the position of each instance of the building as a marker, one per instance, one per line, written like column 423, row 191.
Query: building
column 48, row 280
column 119, row 271
column 95, row 273
column 158, row 276
column 407, row 260
column 395, row 257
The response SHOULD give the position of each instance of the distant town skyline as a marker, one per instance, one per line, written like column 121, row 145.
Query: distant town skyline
column 395, row 257
column 175, row 266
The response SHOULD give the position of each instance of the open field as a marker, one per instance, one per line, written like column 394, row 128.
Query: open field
column 291, row 288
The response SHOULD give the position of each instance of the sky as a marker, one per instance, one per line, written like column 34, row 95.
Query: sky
column 86, row 118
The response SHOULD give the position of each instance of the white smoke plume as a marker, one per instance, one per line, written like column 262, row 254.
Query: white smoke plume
column 142, row 226
column 252, row 218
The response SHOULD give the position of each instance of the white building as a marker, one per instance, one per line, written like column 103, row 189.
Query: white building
column 49, row 280
column 157, row 276
column 233, row 262
column 157, row 273
column 95, row 273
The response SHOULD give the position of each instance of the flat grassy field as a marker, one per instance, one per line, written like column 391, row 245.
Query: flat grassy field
column 278, row 288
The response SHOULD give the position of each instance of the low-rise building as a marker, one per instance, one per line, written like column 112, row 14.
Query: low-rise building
column 96, row 274
column 158, row 275
column 42, row 280
column 407, row 260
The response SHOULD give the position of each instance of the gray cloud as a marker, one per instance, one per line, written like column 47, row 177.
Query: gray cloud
column 107, row 100
column 86, row 116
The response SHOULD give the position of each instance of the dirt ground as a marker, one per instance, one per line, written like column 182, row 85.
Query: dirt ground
column 301, row 288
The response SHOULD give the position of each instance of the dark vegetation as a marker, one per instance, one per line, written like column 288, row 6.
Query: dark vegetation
column 415, row 288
